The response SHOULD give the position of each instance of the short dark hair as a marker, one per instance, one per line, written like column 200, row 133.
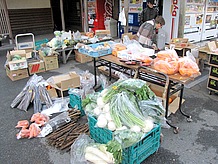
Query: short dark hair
column 150, row 1
column 160, row 19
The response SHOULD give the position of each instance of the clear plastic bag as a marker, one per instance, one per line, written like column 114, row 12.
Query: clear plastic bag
column 59, row 105
column 78, row 149
column 188, row 66
column 54, row 123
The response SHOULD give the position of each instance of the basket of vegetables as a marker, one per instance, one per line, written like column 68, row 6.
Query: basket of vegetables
column 128, row 112
column 96, row 50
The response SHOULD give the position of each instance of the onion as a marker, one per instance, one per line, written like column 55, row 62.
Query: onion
column 148, row 126
column 106, row 108
column 100, row 102
column 135, row 128
column 97, row 111
column 111, row 126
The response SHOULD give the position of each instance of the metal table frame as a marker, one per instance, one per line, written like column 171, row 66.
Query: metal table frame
column 64, row 55
column 150, row 75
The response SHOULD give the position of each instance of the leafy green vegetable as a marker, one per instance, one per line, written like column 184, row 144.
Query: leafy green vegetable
column 127, row 137
column 115, row 148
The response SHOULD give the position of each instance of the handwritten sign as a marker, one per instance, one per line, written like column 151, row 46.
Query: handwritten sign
column 213, row 59
column 212, row 84
column 214, row 71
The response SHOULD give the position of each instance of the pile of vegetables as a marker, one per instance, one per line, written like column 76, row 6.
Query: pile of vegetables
column 85, row 150
column 104, row 153
column 17, row 57
column 127, row 107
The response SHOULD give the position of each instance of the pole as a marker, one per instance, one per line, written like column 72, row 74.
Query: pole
column 86, row 16
column 62, row 15
column 126, row 9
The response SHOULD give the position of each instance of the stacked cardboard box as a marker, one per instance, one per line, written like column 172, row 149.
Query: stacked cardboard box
column 17, row 69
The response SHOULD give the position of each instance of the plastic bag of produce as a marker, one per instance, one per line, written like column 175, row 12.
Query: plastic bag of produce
column 188, row 66
column 78, row 149
column 167, row 67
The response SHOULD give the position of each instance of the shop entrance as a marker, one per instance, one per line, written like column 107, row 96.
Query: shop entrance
column 72, row 14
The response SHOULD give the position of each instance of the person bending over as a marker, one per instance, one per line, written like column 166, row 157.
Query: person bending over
column 146, row 34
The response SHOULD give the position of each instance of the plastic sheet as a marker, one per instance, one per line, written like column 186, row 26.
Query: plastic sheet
column 77, row 149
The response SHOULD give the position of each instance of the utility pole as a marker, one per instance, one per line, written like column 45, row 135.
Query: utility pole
column 126, row 9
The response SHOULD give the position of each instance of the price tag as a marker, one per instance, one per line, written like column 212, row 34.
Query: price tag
column 213, row 59
column 214, row 71
column 213, row 84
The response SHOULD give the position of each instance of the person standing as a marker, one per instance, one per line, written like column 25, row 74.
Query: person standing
column 146, row 34
column 149, row 12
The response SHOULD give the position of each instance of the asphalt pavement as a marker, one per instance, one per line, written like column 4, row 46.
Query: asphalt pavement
column 196, row 142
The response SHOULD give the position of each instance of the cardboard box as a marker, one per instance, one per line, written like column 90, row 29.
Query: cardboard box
column 52, row 93
column 17, row 64
column 130, row 35
column 16, row 74
column 212, row 46
column 36, row 67
column 65, row 81
column 82, row 58
column 174, row 105
column 102, row 32
column 180, row 42
column 51, row 62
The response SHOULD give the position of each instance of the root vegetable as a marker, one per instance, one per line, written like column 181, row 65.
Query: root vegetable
column 99, row 154
column 97, row 111
column 101, row 121
column 148, row 126
column 100, row 102
column 111, row 126
column 136, row 129
column 94, row 159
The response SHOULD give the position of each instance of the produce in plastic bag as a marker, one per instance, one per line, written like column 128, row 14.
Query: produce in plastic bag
column 59, row 105
column 188, row 66
column 167, row 67
column 39, row 119
column 78, row 149
column 22, row 124
column 169, row 55
column 55, row 123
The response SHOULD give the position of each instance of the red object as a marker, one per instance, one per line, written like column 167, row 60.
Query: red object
column 100, row 11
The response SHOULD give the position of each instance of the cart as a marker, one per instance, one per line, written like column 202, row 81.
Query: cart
column 27, row 42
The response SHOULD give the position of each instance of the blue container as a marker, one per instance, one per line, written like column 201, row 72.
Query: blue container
column 40, row 42
column 75, row 101
column 134, row 154
column 96, row 53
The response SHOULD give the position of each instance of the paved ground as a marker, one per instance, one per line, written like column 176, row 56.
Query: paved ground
column 196, row 142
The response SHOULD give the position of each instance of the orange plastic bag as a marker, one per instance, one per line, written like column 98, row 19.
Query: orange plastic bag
column 166, row 67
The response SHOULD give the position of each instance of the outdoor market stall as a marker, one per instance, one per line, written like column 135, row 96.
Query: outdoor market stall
column 172, row 82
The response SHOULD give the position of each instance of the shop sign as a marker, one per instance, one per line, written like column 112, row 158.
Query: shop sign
column 175, row 8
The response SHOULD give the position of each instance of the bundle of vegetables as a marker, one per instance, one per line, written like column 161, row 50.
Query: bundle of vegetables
column 85, row 150
column 118, row 109
column 98, row 154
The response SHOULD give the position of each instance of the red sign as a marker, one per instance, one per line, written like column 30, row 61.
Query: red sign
column 174, row 14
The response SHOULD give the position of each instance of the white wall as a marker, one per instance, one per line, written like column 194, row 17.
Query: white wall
column 27, row 4
column 171, row 27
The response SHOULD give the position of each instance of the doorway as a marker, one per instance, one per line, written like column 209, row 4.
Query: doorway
column 72, row 15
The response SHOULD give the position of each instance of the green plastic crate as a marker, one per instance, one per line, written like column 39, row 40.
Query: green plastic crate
column 38, row 43
column 134, row 154
column 75, row 100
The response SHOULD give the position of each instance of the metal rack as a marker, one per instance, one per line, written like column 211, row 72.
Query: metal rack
column 170, row 88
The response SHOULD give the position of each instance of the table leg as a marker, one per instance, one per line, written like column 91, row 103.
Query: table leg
column 95, row 71
column 110, row 74
column 176, row 129
column 64, row 57
column 180, row 104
